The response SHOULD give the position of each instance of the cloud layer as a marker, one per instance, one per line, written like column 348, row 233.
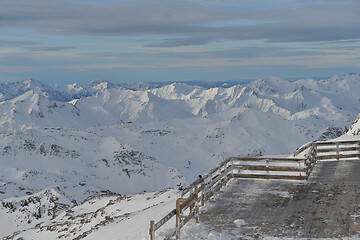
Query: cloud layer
column 188, row 22
column 77, row 36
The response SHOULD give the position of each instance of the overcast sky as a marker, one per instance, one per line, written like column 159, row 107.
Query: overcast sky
column 58, row 41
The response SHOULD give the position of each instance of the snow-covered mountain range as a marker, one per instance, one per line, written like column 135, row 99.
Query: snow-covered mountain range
column 63, row 145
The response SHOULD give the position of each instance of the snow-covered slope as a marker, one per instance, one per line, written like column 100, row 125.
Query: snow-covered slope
column 77, row 164
column 32, row 110
column 11, row 90
column 61, row 145
column 24, row 212
column 101, row 216
column 355, row 127
column 334, row 99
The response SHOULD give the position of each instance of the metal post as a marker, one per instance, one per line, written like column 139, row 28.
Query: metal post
column 151, row 231
column 337, row 151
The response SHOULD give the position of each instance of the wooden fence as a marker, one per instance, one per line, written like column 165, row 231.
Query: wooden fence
column 194, row 195
column 338, row 150
column 328, row 150
column 269, row 168
column 311, row 160
column 200, row 191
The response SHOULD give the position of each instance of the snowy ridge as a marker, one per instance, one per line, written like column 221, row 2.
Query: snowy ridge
column 103, row 216
column 355, row 127
column 108, row 104
column 105, row 141
column 12, row 90
column 24, row 212
column 78, row 164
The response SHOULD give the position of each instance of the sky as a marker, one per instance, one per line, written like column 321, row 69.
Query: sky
column 67, row 41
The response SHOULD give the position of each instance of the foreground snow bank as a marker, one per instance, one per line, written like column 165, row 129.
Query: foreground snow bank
column 103, row 216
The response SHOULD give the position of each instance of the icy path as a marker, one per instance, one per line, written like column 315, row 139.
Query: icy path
column 326, row 206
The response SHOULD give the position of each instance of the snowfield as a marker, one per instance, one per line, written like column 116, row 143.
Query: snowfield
column 102, row 160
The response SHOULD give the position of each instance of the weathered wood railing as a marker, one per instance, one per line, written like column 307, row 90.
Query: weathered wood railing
column 303, row 148
column 198, row 192
column 338, row 150
column 195, row 194
column 269, row 168
column 328, row 150
column 311, row 160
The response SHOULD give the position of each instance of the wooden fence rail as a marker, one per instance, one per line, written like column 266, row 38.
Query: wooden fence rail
column 201, row 190
column 194, row 195
column 338, row 150
column 269, row 168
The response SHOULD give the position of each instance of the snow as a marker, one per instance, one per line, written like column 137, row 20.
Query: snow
column 239, row 222
column 92, row 144
column 107, row 216
column 354, row 129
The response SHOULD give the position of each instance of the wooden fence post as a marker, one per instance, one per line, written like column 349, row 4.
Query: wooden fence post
column 306, row 164
column 203, row 193
column 151, row 231
column 232, row 167
column 177, row 218
column 196, row 204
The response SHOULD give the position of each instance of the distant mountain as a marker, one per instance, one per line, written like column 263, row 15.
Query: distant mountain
column 11, row 90
column 75, row 91
column 33, row 109
column 64, row 148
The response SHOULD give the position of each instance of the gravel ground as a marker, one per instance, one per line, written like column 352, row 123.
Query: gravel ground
column 325, row 206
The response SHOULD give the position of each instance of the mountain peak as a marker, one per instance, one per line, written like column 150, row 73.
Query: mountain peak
column 33, row 84
column 100, row 84
column 32, row 81
column 271, row 85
